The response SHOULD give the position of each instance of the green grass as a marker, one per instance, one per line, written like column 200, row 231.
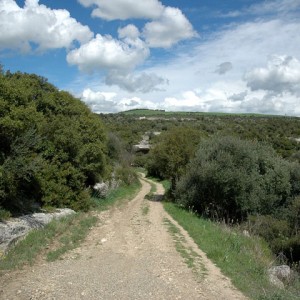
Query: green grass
column 245, row 260
column 191, row 258
column 26, row 251
column 151, row 194
column 117, row 196
column 66, row 233
column 145, row 209
column 72, row 237
column 4, row 214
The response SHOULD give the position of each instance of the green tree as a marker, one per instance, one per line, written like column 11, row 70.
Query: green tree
column 52, row 146
column 232, row 178
column 172, row 152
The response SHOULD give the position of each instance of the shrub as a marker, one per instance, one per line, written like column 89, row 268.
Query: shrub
column 52, row 146
column 172, row 152
column 231, row 178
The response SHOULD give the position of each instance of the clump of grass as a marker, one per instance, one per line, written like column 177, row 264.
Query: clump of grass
column 26, row 250
column 71, row 238
column 145, row 209
column 243, row 259
column 4, row 214
column 191, row 258
column 151, row 194
column 117, row 196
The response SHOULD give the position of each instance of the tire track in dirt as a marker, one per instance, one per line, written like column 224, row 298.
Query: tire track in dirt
column 130, row 255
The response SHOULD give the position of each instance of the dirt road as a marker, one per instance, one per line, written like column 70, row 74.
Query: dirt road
column 136, row 252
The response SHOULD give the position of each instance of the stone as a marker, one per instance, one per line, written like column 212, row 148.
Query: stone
column 13, row 230
column 246, row 233
column 279, row 275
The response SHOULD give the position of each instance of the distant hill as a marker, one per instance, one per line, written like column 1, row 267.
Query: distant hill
column 155, row 112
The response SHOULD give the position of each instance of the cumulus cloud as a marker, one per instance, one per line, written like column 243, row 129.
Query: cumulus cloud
column 168, row 26
column 99, row 102
column 39, row 25
column 171, row 27
column 130, row 32
column 105, row 52
column 107, row 102
column 124, row 9
column 143, row 83
column 282, row 74
column 119, row 58
column 223, row 68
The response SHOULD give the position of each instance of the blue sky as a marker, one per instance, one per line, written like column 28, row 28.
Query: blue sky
column 191, row 55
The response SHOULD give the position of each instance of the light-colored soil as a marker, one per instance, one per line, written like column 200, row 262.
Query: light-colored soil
column 130, row 255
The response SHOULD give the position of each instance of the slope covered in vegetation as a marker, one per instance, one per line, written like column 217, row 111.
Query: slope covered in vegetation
column 52, row 147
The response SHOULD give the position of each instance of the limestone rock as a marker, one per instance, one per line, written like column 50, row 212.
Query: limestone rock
column 14, row 229
column 278, row 275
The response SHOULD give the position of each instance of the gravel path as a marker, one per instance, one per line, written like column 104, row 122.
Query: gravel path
column 131, row 254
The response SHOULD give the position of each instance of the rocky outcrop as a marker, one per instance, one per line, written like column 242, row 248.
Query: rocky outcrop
column 144, row 145
column 12, row 230
column 280, row 275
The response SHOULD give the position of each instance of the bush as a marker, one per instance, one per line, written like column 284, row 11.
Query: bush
column 172, row 152
column 4, row 214
column 52, row 146
column 231, row 178
column 125, row 174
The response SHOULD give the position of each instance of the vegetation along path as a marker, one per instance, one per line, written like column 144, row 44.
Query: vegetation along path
column 137, row 251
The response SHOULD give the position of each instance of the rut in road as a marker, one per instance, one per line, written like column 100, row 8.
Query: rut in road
column 131, row 254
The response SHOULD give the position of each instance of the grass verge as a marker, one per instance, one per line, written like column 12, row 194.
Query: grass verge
column 191, row 258
column 74, row 228
column 243, row 259
column 60, row 236
column 117, row 196
column 72, row 236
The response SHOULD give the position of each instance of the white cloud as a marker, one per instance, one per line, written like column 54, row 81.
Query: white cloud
column 124, row 9
column 194, row 84
column 130, row 32
column 46, row 28
column 275, row 6
column 105, row 52
column 119, row 58
column 168, row 26
column 99, row 102
column 267, row 8
column 143, row 83
column 107, row 102
column 282, row 74
column 171, row 27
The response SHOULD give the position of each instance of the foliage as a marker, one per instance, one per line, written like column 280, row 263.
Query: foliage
column 231, row 178
column 52, row 147
column 171, row 153
column 118, row 195
column 73, row 236
column 279, row 131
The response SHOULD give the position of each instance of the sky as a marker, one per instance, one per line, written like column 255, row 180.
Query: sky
column 235, row 56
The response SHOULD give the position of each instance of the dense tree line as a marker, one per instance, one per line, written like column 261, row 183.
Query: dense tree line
column 278, row 131
column 52, row 147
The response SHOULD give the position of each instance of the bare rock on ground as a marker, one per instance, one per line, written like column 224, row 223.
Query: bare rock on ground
column 12, row 230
